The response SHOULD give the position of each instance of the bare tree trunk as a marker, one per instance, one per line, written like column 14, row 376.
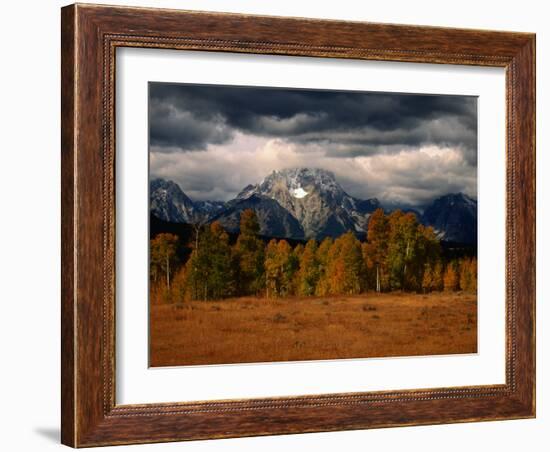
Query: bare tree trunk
column 377, row 278
column 405, row 267
column 196, row 227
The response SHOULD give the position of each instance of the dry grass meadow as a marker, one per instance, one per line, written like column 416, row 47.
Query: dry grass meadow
column 244, row 330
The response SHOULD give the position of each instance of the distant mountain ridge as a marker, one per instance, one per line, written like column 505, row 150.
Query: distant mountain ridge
column 453, row 217
column 303, row 203
column 168, row 202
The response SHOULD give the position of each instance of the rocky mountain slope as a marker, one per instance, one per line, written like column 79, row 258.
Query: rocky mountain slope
column 316, row 200
column 169, row 203
column 275, row 220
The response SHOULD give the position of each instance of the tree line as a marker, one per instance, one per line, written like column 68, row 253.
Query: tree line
column 400, row 254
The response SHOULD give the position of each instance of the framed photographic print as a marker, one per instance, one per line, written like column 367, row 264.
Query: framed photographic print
column 258, row 252
column 279, row 225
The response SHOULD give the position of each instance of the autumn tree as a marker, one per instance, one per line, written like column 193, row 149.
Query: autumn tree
column 352, row 256
column 297, row 253
column 272, row 269
column 209, row 271
column 308, row 274
column 298, row 250
column 402, row 258
column 375, row 250
column 427, row 279
column 346, row 268
column 399, row 253
column 163, row 257
column 437, row 277
column 432, row 279
column 428, row 246
column 451, row 277
column 468, row 275
column 280, row 267
column 292, row 268
column 249, row 253
column 427, row 253
column 323, row 259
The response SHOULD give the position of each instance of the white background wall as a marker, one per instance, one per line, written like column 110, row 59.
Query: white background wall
column 29, row 250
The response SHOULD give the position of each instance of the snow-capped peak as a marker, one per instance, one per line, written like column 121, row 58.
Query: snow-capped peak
column 298, row 192
column 300, row 182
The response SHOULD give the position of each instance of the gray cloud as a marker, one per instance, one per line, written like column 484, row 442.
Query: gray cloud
column 190, row 117
column 173, row 129
column 401, row 148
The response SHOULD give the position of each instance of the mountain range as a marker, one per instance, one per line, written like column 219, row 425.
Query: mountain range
column 304, row 203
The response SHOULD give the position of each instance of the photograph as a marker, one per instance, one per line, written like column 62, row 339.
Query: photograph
column 300, row 224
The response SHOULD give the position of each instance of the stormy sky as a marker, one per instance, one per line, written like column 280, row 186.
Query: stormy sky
column 405, row 149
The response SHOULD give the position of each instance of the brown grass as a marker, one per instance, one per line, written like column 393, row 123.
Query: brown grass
column 244, row 330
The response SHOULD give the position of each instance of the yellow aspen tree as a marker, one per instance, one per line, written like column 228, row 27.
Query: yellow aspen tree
column 450, row 278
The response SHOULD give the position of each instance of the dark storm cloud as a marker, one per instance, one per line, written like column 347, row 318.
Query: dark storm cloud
column 346, row 124
column 174, row 128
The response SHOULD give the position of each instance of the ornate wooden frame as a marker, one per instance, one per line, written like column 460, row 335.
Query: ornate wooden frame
column 90, row 35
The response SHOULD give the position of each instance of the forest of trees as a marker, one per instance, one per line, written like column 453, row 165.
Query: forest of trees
column 400, row 254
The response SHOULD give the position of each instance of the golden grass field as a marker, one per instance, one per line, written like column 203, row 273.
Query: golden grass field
column 249, row 329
